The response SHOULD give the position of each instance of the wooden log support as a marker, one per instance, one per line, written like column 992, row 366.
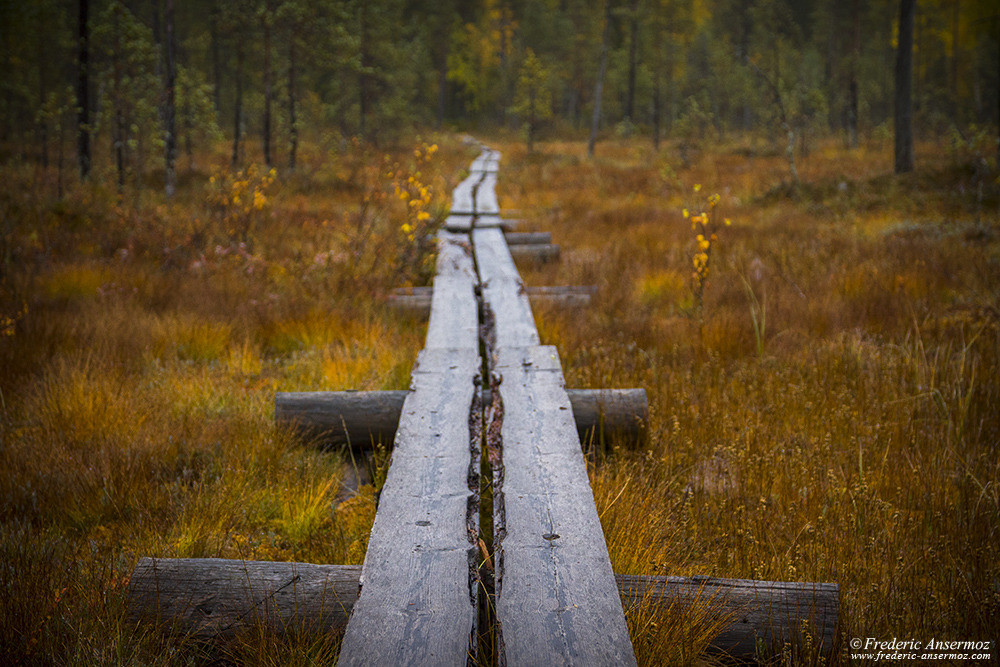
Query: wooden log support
column 361, row 418
column 418, row 602
column 757, row 614
column 556, row 597
column 538, row 253
column 208, row 597
column 527, row 238
column 213, row 597
column 416, row 301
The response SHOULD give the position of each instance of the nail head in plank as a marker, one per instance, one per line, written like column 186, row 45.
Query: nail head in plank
column 557, row 595
column 418, row 602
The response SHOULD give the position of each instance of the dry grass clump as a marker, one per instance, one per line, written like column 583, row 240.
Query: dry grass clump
column 143, row 341
column 833, row 415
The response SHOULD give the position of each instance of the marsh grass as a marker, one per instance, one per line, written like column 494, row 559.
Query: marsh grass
column 851, row 440
column 146, row 341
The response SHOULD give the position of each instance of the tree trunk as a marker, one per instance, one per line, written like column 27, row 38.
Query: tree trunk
column 904, row 88
column 213, row 31
column 633, row 62
column 293, row 123
column 656, row 111
column 238, row 110
column 363, row 73
column 852, row 86
column 83, row 89
column 595, row 122
column 267, row 84
column 442, row 86
column 169, row 111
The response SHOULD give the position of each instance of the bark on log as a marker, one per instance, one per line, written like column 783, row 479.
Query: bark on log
column 757, row 616
column 416, row 301
column 538, row 253
column 528, row 238
column 365, row 417
column 209, row 597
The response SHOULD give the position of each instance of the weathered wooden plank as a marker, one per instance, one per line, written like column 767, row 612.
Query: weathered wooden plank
column 454, row 320
column 503, row 290
column 488, row 160
column 419, row 598
column 458, row 223
column 486, row 197
column 484, row 220
column 425, row 291
column 363, row 417
column 418, row 602
column 416, row 301
column 462, row 202
column 207, row 597
column 556, row 593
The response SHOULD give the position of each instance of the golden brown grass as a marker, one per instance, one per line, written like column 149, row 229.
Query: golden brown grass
column 143, row 343
column 857, row 442
column 853, row 442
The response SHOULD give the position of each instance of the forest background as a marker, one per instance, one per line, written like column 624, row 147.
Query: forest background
column 203, row 203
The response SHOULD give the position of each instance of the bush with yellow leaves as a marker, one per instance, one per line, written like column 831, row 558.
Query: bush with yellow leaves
column 705, row 224
column 240, row 200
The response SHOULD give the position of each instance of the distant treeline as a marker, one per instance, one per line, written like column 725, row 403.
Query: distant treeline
column 152, row 78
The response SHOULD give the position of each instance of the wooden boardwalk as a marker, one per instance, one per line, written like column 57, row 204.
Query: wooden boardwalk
column 482, row 386
column 556, row 596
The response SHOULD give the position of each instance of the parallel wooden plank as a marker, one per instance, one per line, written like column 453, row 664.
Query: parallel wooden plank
column 454, row 321
column 503, row 290
column 488, row 160
column 557, row 595
column 486, row 196
column 418, row 603
column 462, row 196
column 419, row 599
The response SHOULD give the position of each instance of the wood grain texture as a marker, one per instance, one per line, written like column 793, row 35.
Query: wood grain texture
column 488, row 160
column 208, row 597
column 418, row 601
column 416, row 302
column 556, row 592
column 419, row 589
column 486, row 196
column 503, row 290
column 358, row 418
column 373, row 416
column 213, row 597
column 462, row 197
column 454, row 318
column 768, row 613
